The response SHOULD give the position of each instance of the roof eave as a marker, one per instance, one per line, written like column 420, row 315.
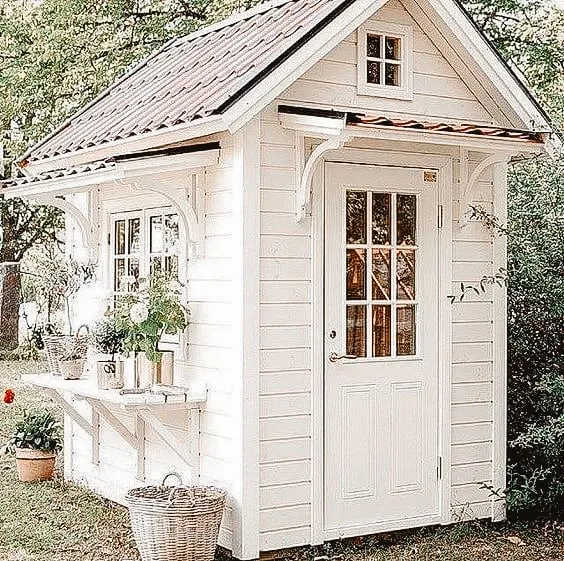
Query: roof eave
column 187, row 131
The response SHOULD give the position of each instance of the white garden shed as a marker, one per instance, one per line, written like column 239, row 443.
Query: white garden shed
column 307, row 167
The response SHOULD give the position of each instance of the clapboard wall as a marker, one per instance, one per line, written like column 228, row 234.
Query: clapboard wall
column 207, row 357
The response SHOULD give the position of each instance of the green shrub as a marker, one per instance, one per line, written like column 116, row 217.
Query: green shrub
column 536, row 340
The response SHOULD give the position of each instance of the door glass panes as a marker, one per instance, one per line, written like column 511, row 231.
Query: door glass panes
column 156, row 233
column 356, row 274
column 405, row 336
column 381, row 274
column 171, row 238
column 356, row 217
column 381, row 219
column 356, row 331
column 164, row 244
column 134, row 240
column 407, row 219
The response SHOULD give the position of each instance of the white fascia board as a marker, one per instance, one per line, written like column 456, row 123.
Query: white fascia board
column 298, row 63
column 120, row 172
column 147, row 141
column 316, row 126
column 478, row 143
column 62, row 185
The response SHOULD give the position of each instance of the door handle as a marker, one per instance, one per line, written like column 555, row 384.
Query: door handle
column 334, row 357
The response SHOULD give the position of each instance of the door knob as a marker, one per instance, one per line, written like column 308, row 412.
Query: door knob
column 334, row 357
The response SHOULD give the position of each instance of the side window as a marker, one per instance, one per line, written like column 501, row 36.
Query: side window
column 142, row 243
column 385, row 60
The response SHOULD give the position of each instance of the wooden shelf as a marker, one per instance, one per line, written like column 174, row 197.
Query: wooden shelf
column 145, row 408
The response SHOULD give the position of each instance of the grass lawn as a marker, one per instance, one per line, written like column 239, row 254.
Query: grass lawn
column 58, row 521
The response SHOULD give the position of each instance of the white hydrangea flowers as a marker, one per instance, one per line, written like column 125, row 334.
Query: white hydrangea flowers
column 139, row 313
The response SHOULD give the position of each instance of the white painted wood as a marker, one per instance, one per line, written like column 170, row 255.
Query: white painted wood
column 246, row 180
column 500, row 349
column 381, row 429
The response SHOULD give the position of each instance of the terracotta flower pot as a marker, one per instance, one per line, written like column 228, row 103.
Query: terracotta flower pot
column 34, row 465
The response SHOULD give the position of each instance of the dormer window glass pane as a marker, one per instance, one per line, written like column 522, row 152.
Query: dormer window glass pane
column 384, row 60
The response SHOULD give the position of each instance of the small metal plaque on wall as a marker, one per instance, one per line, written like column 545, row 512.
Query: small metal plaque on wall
column 430, row 176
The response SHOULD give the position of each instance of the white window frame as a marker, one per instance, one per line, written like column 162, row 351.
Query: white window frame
column 405, row 34
column 173, row 343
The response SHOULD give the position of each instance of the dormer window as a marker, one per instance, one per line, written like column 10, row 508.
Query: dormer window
column 385, row 60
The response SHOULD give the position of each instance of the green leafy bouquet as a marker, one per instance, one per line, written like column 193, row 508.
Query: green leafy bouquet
column 146, row 315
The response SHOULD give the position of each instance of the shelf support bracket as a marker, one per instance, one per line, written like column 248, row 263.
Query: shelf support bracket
column 175, row 445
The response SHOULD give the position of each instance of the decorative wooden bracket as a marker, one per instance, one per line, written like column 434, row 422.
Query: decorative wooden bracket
column 468, row 181
column 185, row 209
column 88, row 228
column 307, row 170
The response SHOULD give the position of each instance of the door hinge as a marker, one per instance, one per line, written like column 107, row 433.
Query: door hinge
column 440, row 216
column 109, row 239
column 439, row 467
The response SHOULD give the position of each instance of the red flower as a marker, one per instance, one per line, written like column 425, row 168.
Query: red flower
column 9, row 396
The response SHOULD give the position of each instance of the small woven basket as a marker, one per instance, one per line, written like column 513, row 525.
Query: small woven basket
column 176, row 523
column 57, row 345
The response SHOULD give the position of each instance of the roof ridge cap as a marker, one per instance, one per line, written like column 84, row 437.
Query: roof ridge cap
column 235, row 18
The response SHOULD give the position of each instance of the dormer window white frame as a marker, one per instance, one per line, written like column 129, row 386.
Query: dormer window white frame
column 385, row 60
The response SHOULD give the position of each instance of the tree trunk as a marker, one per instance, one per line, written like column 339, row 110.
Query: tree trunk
column 10, row 296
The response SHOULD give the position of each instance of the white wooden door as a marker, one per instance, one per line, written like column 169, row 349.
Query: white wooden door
column 381, row 339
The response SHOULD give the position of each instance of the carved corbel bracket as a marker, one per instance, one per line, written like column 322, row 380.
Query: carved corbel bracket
column 307, row 169
column 186, row 212
column 468, row 181
column 88, row 229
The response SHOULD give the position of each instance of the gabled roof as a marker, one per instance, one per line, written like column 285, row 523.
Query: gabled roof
column 190, row 78
column 213, row 70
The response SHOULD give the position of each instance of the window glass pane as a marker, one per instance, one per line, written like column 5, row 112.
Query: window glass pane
column 405, row 331
column 406, row 275
column 407, row 219
column 374, row 46
column 381, row 330
column 156, row 265
column 356, row 217
column 171, row 266
column 134, row 239
column 171, row 233
column 392, row 74
column 374, row 72
column 133, row 272
column 356, row 330
column 381, row 221
column 381, row 273
column 119, row 273
column 356, row 274
column 156, row 234
column 119, row 237
column 393, row 48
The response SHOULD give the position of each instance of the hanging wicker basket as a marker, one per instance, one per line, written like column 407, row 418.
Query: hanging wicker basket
column 176, row 523
column 57, row 345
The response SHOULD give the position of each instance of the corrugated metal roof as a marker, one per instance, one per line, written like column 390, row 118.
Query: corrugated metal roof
column 479, row 130
column 191, row 77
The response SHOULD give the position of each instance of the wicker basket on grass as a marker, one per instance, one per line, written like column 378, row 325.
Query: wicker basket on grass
column 58, row 345
column 176, row 523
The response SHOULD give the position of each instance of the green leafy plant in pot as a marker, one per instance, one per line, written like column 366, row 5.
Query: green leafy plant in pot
column 108, row 340
column 35, row 442
column 145, row 316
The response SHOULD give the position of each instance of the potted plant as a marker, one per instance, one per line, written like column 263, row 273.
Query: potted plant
column 108, row 340
column 71, row 363
column 145, row 316
column 35, row 442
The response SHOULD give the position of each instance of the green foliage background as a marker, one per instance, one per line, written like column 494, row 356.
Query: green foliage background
column 530, row 34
